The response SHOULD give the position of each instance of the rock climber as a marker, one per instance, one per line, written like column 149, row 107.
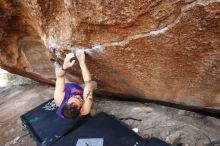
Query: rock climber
column 73, row 100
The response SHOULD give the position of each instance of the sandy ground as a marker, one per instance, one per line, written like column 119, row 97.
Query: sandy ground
column 14, row 101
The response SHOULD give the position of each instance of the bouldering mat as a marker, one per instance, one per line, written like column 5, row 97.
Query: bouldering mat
column 45, row 126
column 156, row 142
column 101, row 130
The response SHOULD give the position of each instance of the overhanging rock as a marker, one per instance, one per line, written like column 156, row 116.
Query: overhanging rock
column 160, row 50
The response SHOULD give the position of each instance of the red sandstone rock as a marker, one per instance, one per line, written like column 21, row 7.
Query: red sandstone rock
column 155, row 49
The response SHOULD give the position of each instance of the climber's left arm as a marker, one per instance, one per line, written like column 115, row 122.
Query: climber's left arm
column 88, row 89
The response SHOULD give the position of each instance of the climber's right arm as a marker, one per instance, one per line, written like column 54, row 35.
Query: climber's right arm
column 60, row 79
column 59, row 87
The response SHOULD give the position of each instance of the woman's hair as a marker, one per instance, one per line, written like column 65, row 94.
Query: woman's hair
column 70, row 111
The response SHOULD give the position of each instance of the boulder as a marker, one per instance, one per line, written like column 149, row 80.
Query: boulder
column 152, row 49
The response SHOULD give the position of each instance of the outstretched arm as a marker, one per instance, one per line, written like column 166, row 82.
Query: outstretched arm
column 88, row 89
column 60, row 80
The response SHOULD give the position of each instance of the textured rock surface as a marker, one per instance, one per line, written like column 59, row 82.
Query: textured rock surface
column 156, row 49
column 173, row 125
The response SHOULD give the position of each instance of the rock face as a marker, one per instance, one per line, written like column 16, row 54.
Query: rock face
column 155, row 49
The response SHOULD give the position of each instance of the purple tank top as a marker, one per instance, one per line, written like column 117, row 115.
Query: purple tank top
column 70, row 90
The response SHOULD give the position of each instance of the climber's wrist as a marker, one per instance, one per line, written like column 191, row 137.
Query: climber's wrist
column 60, row 67
column 60, row 72
column 82, row 63
column 63, row 67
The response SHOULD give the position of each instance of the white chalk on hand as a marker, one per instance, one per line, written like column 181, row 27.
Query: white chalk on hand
column 96, row 48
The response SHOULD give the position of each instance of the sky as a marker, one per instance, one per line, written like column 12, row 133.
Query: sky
column 3, row 79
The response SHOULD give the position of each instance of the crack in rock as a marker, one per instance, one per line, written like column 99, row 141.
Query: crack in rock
column 161, row 30
column 51, row 43
column 129, row 118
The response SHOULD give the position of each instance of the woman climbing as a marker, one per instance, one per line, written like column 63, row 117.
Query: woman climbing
column 71, row 99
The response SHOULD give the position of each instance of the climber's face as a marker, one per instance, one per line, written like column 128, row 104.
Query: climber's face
column 76, row 100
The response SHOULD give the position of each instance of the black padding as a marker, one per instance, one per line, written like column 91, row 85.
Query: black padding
column 45, row 126
column 156, row 142
column 101, row 127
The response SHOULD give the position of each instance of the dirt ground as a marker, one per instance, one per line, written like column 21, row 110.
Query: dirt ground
column 175, row 126
column 14, row 101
